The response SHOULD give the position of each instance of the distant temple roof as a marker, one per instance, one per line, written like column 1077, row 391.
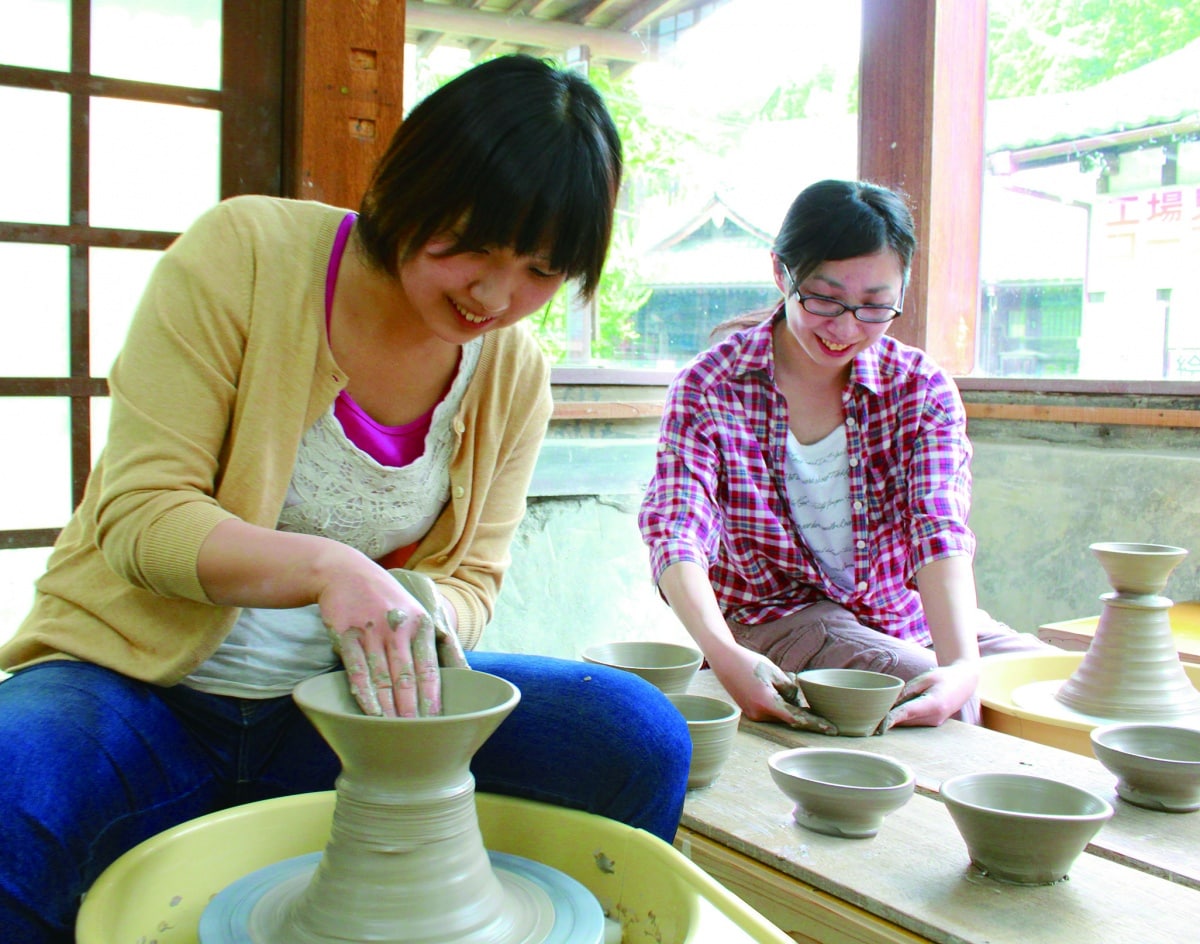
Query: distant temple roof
column 715, row 246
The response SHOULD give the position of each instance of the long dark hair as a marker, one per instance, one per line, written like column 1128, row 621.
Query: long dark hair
column 512, row 153
column 831, row 220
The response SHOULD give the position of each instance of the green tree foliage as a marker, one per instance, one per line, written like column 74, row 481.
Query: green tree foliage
column 826, row 87
column 1046, row 46
column 651, row 154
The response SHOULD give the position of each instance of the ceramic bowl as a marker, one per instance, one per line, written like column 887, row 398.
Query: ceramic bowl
column 1137, row 568
column 853, row 699
column 712, row 724
column 1157, row 765
column 1022, row 829
column 668, row 666
column 841, row 792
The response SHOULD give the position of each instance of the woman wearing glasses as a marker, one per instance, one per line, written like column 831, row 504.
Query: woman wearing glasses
column 809, row 503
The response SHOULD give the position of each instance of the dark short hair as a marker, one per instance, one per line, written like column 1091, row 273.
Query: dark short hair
column 513, row 153
column 841, row 219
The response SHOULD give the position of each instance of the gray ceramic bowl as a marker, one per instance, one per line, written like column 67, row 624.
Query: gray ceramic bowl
column 853, row 699
column 1137, row 568
column 841, row 792
column 1022, row 829
column 712, row 724
column 1157, row 765
column 668, row 666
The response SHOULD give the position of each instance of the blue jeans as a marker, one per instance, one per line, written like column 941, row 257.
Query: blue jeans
column 92, row 763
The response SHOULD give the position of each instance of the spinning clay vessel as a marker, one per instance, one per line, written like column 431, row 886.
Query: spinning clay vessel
column 405, row 861
column 1132, row 670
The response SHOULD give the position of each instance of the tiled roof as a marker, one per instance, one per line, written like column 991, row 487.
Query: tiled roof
column 1163, row 92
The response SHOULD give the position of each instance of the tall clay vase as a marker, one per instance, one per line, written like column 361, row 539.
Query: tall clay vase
column 1132, row 668
column 405, row 859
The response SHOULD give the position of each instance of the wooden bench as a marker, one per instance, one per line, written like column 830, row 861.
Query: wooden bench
column 1139, row 880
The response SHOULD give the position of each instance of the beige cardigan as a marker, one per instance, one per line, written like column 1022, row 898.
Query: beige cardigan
column 225, row 366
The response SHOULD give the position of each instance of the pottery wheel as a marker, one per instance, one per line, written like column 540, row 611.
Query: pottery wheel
column 549, row 906
column 1039, row 698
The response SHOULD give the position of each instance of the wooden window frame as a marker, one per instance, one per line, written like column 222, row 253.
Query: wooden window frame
column 313, row 92
column 254, row 102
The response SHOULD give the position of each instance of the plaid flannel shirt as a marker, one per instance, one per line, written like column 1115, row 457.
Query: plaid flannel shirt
column 717, row 496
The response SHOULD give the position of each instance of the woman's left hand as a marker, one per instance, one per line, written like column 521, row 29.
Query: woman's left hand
column 933, row 696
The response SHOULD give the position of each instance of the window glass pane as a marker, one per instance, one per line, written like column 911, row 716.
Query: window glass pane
column 36, row 310
column 40, row 117
column 714, row 156
column 1091, row 192
column 101, row 410
column 19, row 568
column 171, row 42
column 117, row 279
column 36, row 34
column 35, row 492
column 153, row 166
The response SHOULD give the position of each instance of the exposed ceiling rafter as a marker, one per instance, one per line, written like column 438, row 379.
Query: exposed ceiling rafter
column 610, row 44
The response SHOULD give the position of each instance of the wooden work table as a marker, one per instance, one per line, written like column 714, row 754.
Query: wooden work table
column 1138, row 881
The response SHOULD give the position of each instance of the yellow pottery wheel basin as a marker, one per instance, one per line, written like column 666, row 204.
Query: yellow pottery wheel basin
column 1078, row 633
column 158, row 890
column 1002, row 675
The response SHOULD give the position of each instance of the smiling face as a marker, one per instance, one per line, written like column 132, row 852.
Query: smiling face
column 828, row 345
column 460, row 295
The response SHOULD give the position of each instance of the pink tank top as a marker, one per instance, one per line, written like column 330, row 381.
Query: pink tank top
column 393, row 446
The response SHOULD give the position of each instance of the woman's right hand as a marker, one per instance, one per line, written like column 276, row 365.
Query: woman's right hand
column 387, row 641
column 764, row 691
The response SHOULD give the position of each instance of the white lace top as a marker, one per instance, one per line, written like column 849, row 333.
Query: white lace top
column 339, row 492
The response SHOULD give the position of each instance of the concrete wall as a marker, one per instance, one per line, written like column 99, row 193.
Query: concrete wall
column 1043, row 493
column 1039, row 503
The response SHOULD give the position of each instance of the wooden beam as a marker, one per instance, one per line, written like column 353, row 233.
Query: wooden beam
column 1097, row 415
column 607, row 410
column 608, row 44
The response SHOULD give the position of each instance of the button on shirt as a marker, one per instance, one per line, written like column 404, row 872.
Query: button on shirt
column 718, row 496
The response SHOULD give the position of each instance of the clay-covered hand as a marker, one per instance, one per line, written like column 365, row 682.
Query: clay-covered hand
column 765, row 692
column 933, row 696
column 388, row 642
column 449, row 646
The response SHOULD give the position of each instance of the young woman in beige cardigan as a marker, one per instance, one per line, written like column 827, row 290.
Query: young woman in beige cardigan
column 323, row 427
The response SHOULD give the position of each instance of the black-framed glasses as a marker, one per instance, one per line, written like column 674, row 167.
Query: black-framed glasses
column 826, row 307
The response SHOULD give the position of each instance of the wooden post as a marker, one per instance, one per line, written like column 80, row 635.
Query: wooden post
column 351, row 85
column 921, row 111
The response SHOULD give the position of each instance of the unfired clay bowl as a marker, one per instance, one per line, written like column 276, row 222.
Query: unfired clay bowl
column 853, row 699
column 712, row 724
column 668, row 666
column 1157, row 765
column 841, row 792
column 1137, row 568
column 1021, row 829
